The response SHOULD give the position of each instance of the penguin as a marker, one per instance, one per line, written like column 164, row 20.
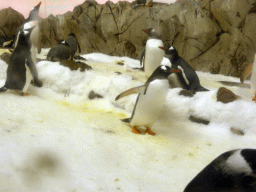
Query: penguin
column 32, row 21
column 150, row 100
column 19, row 74
column 232, row 171
column 188, row 78
column 73, row 43
column 152, row 57
column 60, row 52
column 5, row 41
column 143, row 2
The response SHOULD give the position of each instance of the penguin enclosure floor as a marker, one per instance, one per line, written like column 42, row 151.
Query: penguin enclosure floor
column 57, row 139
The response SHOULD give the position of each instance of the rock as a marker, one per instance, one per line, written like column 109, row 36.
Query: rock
column 6, row 57
column 198, row 120
column 237, row 131
column 73, row 65
column 93, row 95
column 224, row 95
column 10, row 21
column 215, row 36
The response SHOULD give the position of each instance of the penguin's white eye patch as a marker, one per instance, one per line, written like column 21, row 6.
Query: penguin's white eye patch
column 63, row 42
column 29, row 25
column 164, row 68
column 26, row 32
column 171, row 48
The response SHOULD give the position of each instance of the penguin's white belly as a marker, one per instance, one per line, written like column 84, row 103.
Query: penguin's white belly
column 153, row 55
column 174, row 81
column 29, row 78
column 253, row 77
column 149, row 106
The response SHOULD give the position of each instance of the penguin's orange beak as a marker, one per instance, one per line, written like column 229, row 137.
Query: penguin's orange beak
column 175, row 71
column 38, row 5
column 161, row 47
column 145, row 30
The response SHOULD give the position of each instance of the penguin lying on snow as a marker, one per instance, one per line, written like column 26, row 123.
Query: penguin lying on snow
column 152, row 56
column 150, row 100
column 188, row 77
column 32, row 21
column 65, row 49
column 233, row 171
column 19, row 69
column 143, row 2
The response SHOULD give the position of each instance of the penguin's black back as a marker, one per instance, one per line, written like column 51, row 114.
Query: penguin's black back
column 187, row 70
column 16, row 71
column 214, row 177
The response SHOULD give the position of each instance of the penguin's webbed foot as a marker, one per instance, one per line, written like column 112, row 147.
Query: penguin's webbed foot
column 135, row 130
column 148, row 130
column 150, row 5
column 24, row 94
column 254, row 99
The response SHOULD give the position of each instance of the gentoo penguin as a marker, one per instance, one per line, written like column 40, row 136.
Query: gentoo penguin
column 152, row 57
column 143, row 2
column 232, row 171
column 60, row 52
column 188, row 77
column 150, row 100
column 19, row 74
column 73, row 43
column 32, row 21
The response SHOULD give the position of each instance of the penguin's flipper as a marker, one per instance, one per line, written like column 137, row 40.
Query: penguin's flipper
column 79, row 48
column 134, row 90
column 3, row 89
column 142, row 58
column 247, row 71
column 33, row 70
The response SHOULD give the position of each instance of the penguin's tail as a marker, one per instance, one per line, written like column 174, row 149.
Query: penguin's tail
column 3, row 89
column 202, row 89
column 126, row 120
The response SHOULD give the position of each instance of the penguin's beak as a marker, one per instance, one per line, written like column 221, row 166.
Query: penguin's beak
column 38, row 5
column 175, row 71
column 145, row 30
column 161, row 48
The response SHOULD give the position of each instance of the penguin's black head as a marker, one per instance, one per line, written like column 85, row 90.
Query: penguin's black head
column 162, row 72
column 72, row 34
column 151, row 32
column 230, row 172
column 33, row 15
column 170, row 53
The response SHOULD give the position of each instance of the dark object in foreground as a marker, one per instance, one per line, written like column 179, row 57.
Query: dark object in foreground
column 232, row 171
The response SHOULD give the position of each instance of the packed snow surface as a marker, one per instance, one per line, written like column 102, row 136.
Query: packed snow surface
column 57, row 139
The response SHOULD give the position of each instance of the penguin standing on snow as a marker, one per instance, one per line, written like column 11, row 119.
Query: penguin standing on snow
column 150, row 100
column 32, row 21
column 232, row 171
column 65, row 49
column 143, row 2
column 188, row 78
column 152, row 57
column 19, row 70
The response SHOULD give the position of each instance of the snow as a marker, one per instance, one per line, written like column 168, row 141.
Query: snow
column 56, row 139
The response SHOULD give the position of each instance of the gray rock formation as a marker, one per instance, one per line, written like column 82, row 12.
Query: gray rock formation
column 10, row 21
column 211, row 35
